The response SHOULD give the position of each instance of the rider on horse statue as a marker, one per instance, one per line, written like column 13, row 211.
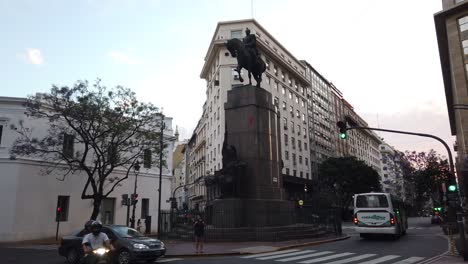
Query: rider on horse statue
column 250, row 42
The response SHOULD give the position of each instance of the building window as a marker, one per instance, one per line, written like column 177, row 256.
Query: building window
column 292, row 126
column 68, row 145
column 284, row 105
column 283, row 90
column 294, row 173
column 302, row 175
column 286, row 155
column 275, row 70
column 299, row 145
column 62, row 208
column 299, row 129
column 465, row 46
column 298, row 114
column 300, row 159
column 307, row 175
column 290, row 95
column 290, row 82
column 147, row 158
column 1, row 133
column 282, row 77
column 297, row 99
column 144, row 208
column 293, row 143
column 285, row 139
column 463, row 23
column 236, row 34
column 285, row 123
column 303, row 103
column 306, row 161
column 305, row 145
column 287, row 171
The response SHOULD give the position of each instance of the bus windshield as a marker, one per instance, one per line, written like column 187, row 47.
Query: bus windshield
column 372, row 201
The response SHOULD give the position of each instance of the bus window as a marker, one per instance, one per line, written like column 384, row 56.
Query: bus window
column 372, row 201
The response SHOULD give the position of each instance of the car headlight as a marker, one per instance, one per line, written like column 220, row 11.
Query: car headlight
column 162, row 245
column 140, row 246
column 100, row 251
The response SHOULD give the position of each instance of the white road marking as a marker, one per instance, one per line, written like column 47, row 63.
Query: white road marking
column 327, row 258
column 352, row 259
column 306, row 256
column 271, row 253
column 287, row 254
column 409, row 260
column 382, row 259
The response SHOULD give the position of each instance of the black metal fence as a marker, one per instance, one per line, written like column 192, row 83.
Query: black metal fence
column 307, row 223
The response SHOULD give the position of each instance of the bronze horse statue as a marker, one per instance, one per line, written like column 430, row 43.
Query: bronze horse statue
column 255, row 66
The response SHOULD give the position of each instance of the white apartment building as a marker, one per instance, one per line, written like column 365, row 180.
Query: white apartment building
column 197, row 149
column 30, row 197
column 321, row 119
column 362, row 144
column 392, row 173
column 285, row 78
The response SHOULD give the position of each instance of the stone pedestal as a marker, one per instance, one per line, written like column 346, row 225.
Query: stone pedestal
column 253, row 127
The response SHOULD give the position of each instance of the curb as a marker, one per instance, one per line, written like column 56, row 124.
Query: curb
column 313, row 243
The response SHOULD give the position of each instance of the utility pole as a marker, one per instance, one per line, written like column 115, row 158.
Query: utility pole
column 161, row 148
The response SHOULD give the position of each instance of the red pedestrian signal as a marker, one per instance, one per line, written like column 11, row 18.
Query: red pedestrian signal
column 59, row 209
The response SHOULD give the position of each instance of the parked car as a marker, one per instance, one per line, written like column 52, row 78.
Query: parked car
column 130, row 245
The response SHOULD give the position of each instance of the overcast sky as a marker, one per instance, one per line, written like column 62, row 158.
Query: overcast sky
column 381, row 54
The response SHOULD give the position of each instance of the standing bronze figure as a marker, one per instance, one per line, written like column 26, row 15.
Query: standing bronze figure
column 247, row 56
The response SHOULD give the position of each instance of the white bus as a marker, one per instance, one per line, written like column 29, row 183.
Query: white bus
column 379, row 213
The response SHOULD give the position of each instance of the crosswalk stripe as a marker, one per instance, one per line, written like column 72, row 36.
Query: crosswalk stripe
column 327, row 258
column 409, row 260
column 306, row 256
column 352, row 259
column 287, row 254
column 271, row 253
column 382, row 259
column 167, row 260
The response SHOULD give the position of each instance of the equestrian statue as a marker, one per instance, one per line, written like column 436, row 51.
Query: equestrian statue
column 247, row 56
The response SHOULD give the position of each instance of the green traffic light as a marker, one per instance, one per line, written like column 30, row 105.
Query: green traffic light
column 343, row 135
column 452, row 188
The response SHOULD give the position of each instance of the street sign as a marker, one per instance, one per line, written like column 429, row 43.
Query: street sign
column 300, row 202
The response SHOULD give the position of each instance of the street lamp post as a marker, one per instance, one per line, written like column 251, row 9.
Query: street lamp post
column 136, row 168
column 161, row 146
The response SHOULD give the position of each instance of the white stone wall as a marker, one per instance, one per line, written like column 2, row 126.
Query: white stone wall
column 29, row 197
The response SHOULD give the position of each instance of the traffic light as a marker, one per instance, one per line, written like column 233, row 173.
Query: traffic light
column 134, row 198
column 451, row 184
column 343, row 128
column 58, row 212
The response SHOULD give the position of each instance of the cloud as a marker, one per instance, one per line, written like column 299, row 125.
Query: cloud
column 33, row 56
column 427, row 120
column 124, row 58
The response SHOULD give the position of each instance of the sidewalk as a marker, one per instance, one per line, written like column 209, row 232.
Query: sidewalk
column 449, row 259
column 187, row 249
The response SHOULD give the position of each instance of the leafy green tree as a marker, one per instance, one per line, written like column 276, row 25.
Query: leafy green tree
column 341, row 178
column 93, row 132
column 427, row 172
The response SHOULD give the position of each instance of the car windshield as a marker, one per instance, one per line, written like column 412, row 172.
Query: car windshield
column 126, row 232
column 372, row 201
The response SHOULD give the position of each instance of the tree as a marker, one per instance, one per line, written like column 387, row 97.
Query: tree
column 341, row 178
column 426, row 174
column 92, row 130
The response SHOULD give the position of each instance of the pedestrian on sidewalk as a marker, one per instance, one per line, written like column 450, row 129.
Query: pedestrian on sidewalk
column 199, row 232
column 139, row 225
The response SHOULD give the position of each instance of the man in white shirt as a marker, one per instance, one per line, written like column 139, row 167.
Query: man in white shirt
column 94, row 240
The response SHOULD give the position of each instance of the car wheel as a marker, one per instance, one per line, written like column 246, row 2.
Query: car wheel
column 72, row 256
column 123, row 257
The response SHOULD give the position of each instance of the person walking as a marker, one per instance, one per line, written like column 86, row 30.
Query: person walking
column 199, row 232
column 139, row 225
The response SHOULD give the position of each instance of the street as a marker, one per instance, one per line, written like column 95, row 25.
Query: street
column 422, row 243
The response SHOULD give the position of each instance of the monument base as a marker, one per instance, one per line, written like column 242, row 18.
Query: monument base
column 252, row 213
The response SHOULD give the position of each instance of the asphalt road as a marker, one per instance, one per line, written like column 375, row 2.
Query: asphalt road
column 423, row 242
